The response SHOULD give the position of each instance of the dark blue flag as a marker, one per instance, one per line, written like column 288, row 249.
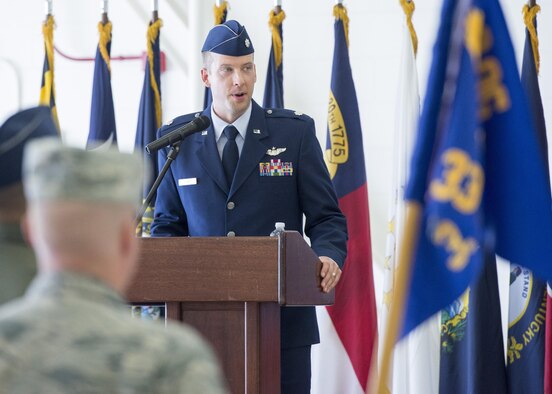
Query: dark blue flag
column 472, row 345
column 527, row 315
column 150, row 115
column 102, row 114
column 220, row 12
column 274, row 86
column 473, row 164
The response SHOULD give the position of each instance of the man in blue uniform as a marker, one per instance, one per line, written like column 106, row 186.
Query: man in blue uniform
column 251, row 168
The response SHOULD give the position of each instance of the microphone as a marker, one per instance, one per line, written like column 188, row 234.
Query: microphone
column 198, row 124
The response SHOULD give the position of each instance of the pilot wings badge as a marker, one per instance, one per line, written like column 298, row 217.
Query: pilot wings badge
column 275, row 151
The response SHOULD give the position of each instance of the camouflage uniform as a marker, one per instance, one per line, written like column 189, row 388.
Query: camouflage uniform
column 17, row 260
column 74, row 334
column 18, row 266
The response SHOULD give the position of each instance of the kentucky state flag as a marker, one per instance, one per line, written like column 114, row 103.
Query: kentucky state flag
column 348, row 329
column 149, row 115
column 476, row 157
column 274, row 86
column 102, row 114
column 472, row 345
column 527, row 314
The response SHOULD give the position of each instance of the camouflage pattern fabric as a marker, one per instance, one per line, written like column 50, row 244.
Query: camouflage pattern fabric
column 17, row 263
column 74, row 334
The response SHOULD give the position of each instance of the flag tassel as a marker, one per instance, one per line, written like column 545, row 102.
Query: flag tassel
column 408, row 8
column 529, row 15
column 274, row 22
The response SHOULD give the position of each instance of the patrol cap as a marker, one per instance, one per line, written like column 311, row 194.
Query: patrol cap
column 14, row 134
column 229, row 38
column 52, row 171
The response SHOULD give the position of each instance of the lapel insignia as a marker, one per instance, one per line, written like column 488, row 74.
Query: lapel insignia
column 204, row 132
column 275, row 151
column 256, row 131
column 276, row 168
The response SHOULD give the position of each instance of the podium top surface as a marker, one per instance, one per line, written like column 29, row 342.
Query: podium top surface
column 259, row 269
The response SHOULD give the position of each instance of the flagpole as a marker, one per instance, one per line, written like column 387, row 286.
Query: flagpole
column 48, row 7
column 154, row 10
column 103, row 11
column 277, row 6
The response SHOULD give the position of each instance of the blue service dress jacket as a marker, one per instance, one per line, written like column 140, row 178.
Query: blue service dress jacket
column 281, row 176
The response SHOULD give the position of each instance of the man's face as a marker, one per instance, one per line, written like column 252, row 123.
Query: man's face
column 231, row 79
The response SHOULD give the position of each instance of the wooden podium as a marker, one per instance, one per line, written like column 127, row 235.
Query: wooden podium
column 231, row 289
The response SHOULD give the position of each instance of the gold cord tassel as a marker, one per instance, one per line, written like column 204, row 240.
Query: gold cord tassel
column 153, row 33
column 408, row 8
column 529, row 16
column 105, row 38
column 220, row 12
column 274, row 22
column 340, row 13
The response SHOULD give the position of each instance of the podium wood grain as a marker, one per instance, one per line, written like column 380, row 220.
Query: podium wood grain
column 230, row 289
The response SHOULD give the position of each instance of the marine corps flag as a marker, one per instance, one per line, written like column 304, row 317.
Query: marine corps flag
column 47, row 88
column 527, row 315
column 274, row 86
column 149, row 116
column 476, row 157
column 220, row 12
column 102, row 114
column 348, row 329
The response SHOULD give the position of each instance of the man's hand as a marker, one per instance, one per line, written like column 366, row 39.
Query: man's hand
column 330, row 273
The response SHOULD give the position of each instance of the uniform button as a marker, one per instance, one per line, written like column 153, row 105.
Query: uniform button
column 230, row 205
column 231, row 234
column 269, row 111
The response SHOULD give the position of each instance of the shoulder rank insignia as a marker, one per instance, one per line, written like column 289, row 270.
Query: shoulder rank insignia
column 275, row 151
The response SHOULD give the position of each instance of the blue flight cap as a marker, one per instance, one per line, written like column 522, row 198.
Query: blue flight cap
column 14, row 133
column 230, row 39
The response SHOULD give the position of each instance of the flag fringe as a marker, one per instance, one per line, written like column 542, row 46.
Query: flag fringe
column 340, row 13
column 152, row 35
column 105, row 38
column 274, row 22
column 529, row 16
column 408, row 8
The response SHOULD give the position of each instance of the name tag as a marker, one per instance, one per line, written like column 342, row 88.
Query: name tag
column 187, row 181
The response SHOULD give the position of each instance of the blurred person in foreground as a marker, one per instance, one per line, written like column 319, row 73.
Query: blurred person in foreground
column 72, row 332
column 17, row 260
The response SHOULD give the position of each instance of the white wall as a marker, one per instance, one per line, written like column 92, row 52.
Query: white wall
column 308, row 45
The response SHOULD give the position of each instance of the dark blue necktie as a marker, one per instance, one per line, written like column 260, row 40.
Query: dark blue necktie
column 230, row 153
